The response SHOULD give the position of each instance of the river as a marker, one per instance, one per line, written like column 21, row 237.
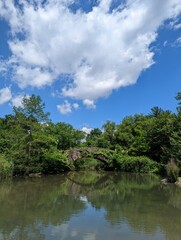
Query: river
column 90, row 206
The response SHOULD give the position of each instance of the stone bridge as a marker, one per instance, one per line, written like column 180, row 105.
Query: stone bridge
column 100, row 154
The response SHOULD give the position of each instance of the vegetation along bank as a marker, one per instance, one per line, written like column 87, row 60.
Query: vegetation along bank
column 31, row 144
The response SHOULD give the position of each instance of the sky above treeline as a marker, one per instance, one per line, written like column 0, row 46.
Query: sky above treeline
column 90, row 60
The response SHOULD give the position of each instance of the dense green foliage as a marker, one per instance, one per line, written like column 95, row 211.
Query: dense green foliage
column 138, row 164
column 6, row 167
column 31, row 143
column 172, row 171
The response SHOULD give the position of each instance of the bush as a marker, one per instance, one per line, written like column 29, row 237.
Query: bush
column 139, row 164
column 172, row 171
column 51, row 162
column 54, row 162
column 6, row 167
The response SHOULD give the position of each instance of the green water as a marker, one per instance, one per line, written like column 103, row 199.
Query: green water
column 90, row 206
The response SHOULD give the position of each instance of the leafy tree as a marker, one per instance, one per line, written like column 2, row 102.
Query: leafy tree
column 175, row 138
column 155, row 112
column 32, row 108
column 28, row 119
column 159, row 134
column 175, row 141
column 178, row 98
column 109, row 133
column 10, row 133
column 140, row 144
column 65, row 135
column 93, row 137
column 6, row 167
column 124, row 133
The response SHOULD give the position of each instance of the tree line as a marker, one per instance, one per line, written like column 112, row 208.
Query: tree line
column 31, row 143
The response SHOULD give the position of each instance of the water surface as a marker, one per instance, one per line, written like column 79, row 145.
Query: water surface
column 90, row 206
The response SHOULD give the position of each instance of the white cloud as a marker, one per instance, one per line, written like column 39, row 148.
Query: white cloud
column 35, row 77
column 165, row 43
column 177, row 26
column 89, row 103
column 102, row 50
column 17, row 100
column 64, row 108
column 5, row 95
column 87, row 130
column 3, row 66
column 178, row 41
column 75, row 105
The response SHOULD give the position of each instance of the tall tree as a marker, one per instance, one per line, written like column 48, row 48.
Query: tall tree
column 28, row 119
column 65, row 135
column 155, row 112
column 159, row 133
column 32, row 108
column 178, row 98
column 109, row 133
column 124, row 134
column 93, row 137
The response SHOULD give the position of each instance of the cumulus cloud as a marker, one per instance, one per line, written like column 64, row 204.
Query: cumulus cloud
column 5, row 95
column 75, row 105
column 64, row 108
column 17, row 100
column 89, row 103
column 67, row 107
column 176, row 23
column 3, row 66
column 178, row 41
column 103, row 49
column 35, row 77
column 178, row 26
column 87, row 130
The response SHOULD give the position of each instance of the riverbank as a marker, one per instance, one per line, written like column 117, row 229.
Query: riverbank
column 87, row 158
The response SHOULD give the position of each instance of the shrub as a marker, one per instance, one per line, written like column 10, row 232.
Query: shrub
column 172, row 171
column 54, row 162
column 51, row 162
column 139, row 164
column 6, row 167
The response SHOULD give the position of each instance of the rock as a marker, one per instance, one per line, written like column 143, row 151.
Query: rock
column 35, row 175
column 164, row 181
column 178, row 182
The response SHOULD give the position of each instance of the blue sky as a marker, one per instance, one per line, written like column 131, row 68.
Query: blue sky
column 90, row 61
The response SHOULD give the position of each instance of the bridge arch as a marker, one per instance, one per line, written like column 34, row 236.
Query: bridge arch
column 88, row 152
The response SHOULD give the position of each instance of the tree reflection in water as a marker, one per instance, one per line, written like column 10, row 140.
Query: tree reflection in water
column 37, row 208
